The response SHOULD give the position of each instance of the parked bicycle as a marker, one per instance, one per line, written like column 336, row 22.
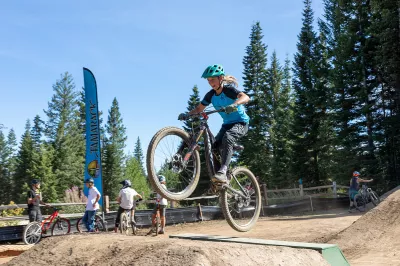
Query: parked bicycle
column 98, row 225
column 175, row 153
column 34, row 231
column 127, row 221
column 364, row 196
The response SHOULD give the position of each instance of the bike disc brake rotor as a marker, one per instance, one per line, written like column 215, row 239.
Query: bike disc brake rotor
column 177, row 163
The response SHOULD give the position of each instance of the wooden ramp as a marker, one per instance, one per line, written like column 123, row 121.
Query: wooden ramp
column 331, row 253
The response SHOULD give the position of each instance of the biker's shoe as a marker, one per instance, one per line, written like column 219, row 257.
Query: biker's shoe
column 219, row 177
column 161, row 232
column 152, row 230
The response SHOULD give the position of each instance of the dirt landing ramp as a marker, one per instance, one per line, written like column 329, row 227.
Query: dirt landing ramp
column 331, row 253
column 115, row 249
column 374, row 238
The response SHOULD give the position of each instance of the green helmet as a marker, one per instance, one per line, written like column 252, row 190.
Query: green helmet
column 213, row 71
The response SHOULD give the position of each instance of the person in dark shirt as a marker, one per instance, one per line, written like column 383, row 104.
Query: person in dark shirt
column 34, row 202
column 224, row 94
column 354, row 187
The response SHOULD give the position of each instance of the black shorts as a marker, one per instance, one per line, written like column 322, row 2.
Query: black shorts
column 162, row 210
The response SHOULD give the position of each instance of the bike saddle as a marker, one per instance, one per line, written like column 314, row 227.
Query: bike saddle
column 237, row 147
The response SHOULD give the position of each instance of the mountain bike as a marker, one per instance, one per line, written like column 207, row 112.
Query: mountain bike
column 127, row 220
column 364, row 196
column 98, row 225
column 34, row 231
column 174, row 153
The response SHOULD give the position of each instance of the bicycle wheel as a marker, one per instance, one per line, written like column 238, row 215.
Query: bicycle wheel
column 61, row 227
column 165, row 155
column 359, row 202
column 123, row 223
column 241, row 214
column 80, row 227
column 157, row 223
column 32, row 233
column 374, row 198
column 99, row 224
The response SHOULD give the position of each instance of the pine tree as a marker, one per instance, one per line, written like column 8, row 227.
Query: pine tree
column 305, row 125
column 4, row 177
column 138, row 154
column 24, row 165
column 63, row 132
column 279, row 104
column 113, row 151
column 37, row 131
column 194, row 100
column 12, row 147
column 256, row 154
column 384, row 31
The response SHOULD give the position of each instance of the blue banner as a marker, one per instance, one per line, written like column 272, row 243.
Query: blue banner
column 93, row 154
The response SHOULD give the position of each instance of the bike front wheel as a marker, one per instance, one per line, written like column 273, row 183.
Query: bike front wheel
column 123, row 223
column 32, row 233
column 241, row 213
column 359, row 202
column 374, row 198
column 169, row 154
column 61, row 227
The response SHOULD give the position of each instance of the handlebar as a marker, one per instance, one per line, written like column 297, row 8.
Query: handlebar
column 208, row 113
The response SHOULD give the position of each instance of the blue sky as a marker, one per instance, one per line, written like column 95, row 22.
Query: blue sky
column 147, row 54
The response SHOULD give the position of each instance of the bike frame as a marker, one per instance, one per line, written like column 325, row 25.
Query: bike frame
column 49, row 220
column 195, row 138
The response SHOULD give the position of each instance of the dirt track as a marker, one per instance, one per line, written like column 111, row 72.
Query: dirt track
column 371, row 239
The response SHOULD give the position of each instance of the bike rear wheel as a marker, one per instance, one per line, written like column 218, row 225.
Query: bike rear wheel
column 241, row 214
column 157, row 224
column 374, row 198
column 61, row 227
column 32, row 233
column 123, row 223
column 359, row 202
column 165, row 156
column 98, row 225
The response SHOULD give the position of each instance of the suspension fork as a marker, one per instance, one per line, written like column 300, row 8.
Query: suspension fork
column 193, row 145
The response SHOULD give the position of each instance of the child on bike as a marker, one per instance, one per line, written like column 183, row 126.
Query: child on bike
column 92, row 205
column 34, row 202
column 161, row 203
column 354, row 187
column 224, row 94
column 126, row 201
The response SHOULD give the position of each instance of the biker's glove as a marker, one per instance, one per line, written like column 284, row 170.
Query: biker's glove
column 231, row 108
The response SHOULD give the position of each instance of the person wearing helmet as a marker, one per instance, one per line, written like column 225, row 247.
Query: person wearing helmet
column 354, row 187
column 34, row 202
column 126, row 200
column 162, row 203
column 92, row 205
column 224, row 94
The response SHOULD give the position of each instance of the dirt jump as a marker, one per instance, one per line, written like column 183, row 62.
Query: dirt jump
column 370, row 238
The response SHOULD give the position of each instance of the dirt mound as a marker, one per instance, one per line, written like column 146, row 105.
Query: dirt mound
column 374, row 234
column 115, row 249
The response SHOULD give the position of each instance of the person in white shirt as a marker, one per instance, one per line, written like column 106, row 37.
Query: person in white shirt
column 92, row 205
column 126, row 200
column 162, row 204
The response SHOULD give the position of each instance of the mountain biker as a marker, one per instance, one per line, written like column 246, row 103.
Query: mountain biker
column 224, row 94
column 92, row 205
column 126, row 201
column 34, row 202
column 162, row 204
column 355, row 186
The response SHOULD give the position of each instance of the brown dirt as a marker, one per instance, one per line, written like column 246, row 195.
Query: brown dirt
column 115, row 249
column 374, row 238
